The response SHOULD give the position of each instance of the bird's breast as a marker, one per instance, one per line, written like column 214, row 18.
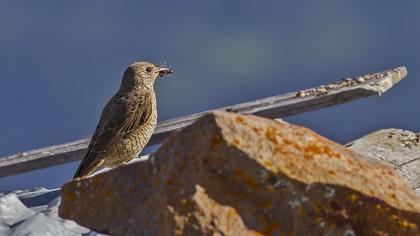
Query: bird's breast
column 132, row 144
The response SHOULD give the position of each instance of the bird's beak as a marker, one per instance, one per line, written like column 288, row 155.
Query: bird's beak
column 164, row 71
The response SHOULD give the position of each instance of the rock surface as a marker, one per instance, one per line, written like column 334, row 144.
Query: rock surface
column 400, row 148
column 231, row 174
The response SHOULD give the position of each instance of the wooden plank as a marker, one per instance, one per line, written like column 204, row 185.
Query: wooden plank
column 273, row 107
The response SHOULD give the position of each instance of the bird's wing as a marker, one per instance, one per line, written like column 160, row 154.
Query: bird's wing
column 120, row 121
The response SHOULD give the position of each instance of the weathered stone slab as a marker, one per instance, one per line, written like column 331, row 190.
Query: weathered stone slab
column 400, row 148
column 230, row 174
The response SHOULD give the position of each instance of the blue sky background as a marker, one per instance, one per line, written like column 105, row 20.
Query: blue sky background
column 61, row 61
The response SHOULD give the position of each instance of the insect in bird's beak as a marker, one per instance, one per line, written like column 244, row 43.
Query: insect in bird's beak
column 164, row 71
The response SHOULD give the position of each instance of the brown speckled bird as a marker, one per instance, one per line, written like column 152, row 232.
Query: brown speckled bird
column 127, row 121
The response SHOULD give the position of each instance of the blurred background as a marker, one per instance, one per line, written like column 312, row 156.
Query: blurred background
column 61, row 61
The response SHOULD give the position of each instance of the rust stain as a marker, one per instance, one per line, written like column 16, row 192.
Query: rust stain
column 265, row 205
column 317, row 149
column 256, row 129
column 142, row 177
column 332, row 226
column 301, row 211
column 242, row 176
column 271, row 135
column 402, row 222
column 216, row 140
column 270, row 227
column 108, row 193
column 331, row 172
column 236, row 142
column 239, row 120
column 69, row 196
column 352, row 197
column 317, row 219
column 318, row 207
column 307, row 156
column 65, row 211
column 130, row 189
column 287, row 141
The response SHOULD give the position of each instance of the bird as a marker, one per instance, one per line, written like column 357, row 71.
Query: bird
column 127, row 121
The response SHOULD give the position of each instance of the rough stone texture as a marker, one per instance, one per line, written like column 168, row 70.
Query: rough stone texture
column 230, row 174
column 400, row 148
column 35, row 213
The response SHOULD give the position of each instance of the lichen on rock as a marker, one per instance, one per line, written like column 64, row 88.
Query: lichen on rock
column 231, row 174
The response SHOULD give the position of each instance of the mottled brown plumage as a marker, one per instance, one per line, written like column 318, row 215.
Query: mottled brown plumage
column 127, row 121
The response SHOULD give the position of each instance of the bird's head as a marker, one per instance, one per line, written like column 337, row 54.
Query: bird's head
column 143, row 74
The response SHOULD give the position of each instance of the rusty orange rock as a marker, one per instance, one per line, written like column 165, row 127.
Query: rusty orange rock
column 230, row 174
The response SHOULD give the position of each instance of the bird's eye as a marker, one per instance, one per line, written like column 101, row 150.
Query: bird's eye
column 149, row 69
